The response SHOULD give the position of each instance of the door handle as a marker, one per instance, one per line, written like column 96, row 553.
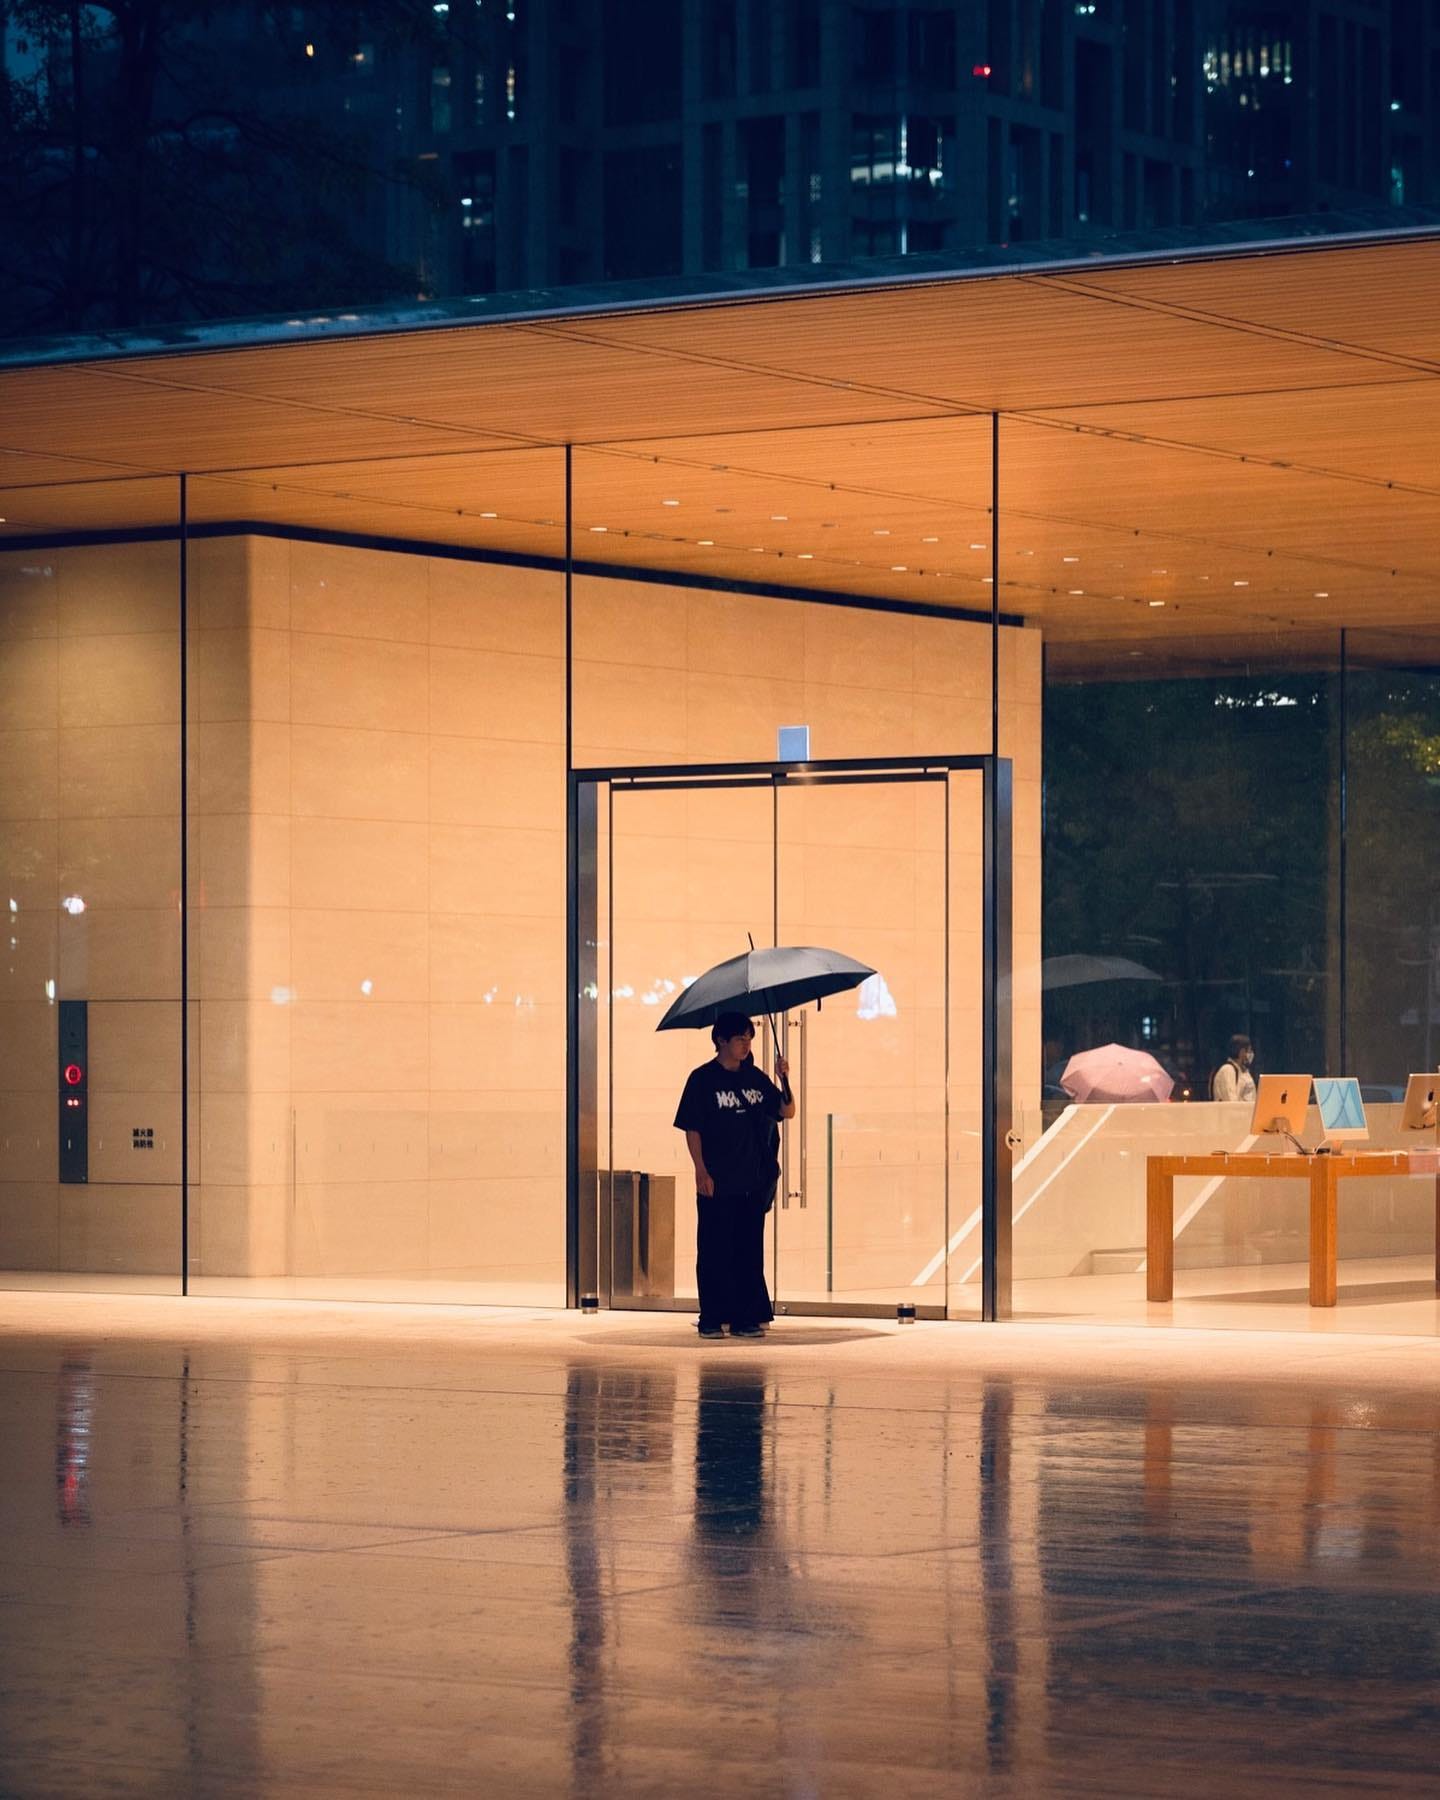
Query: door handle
column 802, row 1105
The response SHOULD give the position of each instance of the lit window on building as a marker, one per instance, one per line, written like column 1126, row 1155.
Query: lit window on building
column 439, row 98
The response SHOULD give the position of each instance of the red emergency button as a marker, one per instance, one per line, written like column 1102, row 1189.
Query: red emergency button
column 74, row 1074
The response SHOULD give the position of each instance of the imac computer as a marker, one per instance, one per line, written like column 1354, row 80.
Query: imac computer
column 1418, row 1113
column 1342, row 1112
column 1281, row 1102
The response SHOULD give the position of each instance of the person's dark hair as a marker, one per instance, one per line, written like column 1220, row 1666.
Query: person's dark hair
column 1239, row 1044
column 730, row 1025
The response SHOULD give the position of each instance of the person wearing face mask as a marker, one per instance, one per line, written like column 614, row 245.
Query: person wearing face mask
column 1233, row 1080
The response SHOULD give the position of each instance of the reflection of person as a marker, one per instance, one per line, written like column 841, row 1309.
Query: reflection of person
column 727, row 1112
column 1233, row 1080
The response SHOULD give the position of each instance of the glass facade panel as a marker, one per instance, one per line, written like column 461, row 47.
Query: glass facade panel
column 90, row 879
column 1392, row 917
column 1238, row 831
column 730, row 585
column 377, row 742
column 725, row 590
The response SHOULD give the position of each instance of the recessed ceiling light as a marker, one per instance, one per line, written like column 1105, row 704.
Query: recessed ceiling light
column 1157, row 602
column 898, row 568
column 705, row 542
column 757, row 549
column 1240, row 584
column 977, row 546
column 934, row 540
column 805, row 556
column 489, row 515
column 1069, row 559
column 669, row 502
column 1077, row 590
column 599, row 527
column 779, row 518
column 1159, row 571
column 882, row 531
column 1322, row 593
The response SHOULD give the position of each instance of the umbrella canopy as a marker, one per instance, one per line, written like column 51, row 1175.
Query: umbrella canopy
column 1077, row 971
column 1113, row 1075
column 764, row 981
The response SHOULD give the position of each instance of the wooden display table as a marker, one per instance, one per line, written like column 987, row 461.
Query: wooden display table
column 1324, row 1174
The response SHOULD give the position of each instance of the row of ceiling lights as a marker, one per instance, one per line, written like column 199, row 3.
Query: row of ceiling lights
column 904, row 568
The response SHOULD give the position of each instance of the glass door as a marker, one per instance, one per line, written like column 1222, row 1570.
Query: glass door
column 690, row 874
column 862, row 1215
column 879, row 1203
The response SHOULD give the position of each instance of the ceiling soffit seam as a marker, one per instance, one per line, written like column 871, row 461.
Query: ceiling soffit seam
column 1195, row 315
column 735, row 365
column 202, row 390
column 1221, row 453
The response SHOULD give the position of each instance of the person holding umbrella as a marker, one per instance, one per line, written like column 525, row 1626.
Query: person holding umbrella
column 728, row 1112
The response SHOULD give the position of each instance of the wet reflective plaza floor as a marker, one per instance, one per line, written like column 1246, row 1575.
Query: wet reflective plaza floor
column 256, row 1549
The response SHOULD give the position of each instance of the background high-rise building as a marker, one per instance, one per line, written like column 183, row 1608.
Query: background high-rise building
column 584, row 140
column 432, row 148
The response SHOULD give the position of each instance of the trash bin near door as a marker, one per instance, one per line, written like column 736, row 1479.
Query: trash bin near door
column 642, row 1235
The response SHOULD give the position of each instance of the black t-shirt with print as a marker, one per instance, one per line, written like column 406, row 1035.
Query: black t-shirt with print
column 734, row 1112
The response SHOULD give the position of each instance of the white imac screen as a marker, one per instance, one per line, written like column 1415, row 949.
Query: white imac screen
column 1338, row 1098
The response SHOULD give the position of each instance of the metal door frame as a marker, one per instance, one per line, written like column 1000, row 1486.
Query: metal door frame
column 582, row 1249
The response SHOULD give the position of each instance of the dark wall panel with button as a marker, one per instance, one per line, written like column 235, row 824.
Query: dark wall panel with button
column 74, row 1074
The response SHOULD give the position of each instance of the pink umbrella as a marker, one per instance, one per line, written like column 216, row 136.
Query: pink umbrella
column 1111, row 1075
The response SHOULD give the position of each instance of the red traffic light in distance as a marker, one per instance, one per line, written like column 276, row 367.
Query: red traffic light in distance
column 982, row 71
column 74, row 1074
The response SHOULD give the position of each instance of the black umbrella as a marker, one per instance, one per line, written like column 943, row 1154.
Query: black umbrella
column 764, row 981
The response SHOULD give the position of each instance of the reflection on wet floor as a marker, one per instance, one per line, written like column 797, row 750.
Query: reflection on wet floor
column 531, row 1560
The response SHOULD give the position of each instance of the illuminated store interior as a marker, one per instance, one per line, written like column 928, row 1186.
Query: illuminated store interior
column 388, row 725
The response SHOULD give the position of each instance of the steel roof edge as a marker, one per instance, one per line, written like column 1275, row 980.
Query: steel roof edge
column 1315, row 232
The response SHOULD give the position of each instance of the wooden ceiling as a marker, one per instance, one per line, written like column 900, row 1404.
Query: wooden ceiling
column 1202, row 463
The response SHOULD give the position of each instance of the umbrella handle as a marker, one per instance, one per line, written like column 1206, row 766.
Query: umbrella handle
column 785, row 1093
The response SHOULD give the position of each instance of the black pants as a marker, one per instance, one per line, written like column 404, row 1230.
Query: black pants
column 730, row 1260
